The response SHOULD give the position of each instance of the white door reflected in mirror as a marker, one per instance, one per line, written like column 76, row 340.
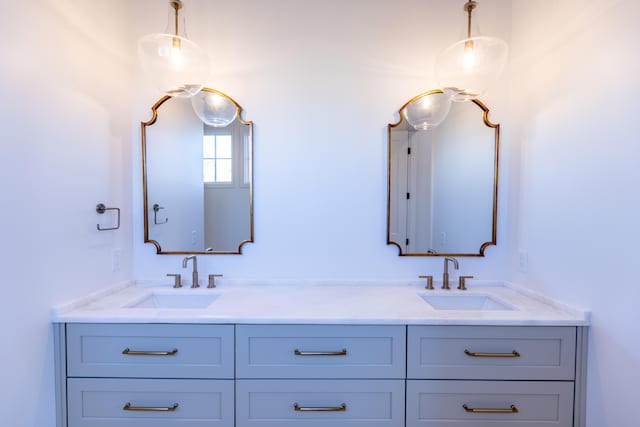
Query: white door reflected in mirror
column 443, row 182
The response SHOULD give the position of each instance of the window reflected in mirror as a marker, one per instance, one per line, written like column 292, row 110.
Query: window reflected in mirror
column 201, row 175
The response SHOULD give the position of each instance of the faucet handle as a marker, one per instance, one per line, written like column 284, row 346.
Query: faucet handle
column 429, row 281
column 212, row 280
column 177, row 280
column 462, row 282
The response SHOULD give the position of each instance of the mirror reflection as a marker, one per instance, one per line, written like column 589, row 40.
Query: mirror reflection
column 442, row 182
column 197, row 175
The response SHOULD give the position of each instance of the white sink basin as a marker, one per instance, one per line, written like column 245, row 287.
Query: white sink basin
column 465, row 302
column 170, row 300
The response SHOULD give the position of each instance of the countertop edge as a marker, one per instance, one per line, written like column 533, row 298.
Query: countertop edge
column 76, row 311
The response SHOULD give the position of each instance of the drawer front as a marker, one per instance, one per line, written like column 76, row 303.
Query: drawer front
column 320, row 403
column 489, row 404
column 102, row 402
column 320, row 351
column 483, row 352
column 150, row 351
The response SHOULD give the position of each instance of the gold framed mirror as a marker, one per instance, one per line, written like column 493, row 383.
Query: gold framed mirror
column 442, row 187
column 197, row 175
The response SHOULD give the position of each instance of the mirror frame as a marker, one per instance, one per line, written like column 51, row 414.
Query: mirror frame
column 143, row 127
column 488, row 123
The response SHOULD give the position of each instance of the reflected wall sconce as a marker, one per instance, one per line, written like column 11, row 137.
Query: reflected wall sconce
column 176, row 65
column 468, row 67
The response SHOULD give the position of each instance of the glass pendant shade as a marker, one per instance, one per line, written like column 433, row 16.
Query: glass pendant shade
column 177, row 66
column 428, row 110
column 214, row 109
column 466, row 69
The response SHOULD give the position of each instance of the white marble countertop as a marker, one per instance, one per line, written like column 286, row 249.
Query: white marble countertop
column 321, row 303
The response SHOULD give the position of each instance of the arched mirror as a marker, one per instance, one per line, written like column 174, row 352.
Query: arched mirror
column 197, row 175
column 443, row 182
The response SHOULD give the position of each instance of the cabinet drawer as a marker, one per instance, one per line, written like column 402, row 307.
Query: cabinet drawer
column 102, row 402
column 320, row 351
column 479, row 352
column 154, row 351
column 320, row 403
column 489, row 403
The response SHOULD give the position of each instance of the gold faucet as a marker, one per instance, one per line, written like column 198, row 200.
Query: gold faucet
column 194, row 275
column 445, row 275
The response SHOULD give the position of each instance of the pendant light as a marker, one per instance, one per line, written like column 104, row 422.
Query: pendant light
column 427, row 110
column 467, row 68
column 176, row 65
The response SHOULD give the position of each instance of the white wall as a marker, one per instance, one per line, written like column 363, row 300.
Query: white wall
column 64, row 147
column 575, row 87
column 320, row 80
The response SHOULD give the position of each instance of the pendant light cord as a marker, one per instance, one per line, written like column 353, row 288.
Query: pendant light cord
column 176, row 5
column 468, row 7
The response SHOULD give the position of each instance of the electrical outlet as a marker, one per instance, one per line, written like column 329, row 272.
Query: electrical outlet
column 443, row 238
column 194, row 236
column 115, row 260
column 524, row 261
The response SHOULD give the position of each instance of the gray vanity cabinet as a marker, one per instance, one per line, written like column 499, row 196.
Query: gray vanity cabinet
column 148, row 375
column 477, row 376
column 199, row 375
column 320, row 376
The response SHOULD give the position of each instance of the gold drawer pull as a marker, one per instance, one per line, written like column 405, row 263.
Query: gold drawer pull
column 512, row 410
column 128, row 407
column 343, row 352
column 149, row 353
column 340, row 408
column 472, row 354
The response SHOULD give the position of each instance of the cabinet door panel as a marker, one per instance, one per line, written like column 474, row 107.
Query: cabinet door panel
column 102, row 402
column 119, row 350
column 272, row 403
column 491, row 352
column 320, row 351
column 489, row 404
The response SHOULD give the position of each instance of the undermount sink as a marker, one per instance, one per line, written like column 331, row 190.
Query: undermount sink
column 175, row 300
column 465, row 302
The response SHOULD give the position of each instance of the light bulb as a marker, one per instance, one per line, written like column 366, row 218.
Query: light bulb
column 176, row 58
column 469, row 59
column 176, row 53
